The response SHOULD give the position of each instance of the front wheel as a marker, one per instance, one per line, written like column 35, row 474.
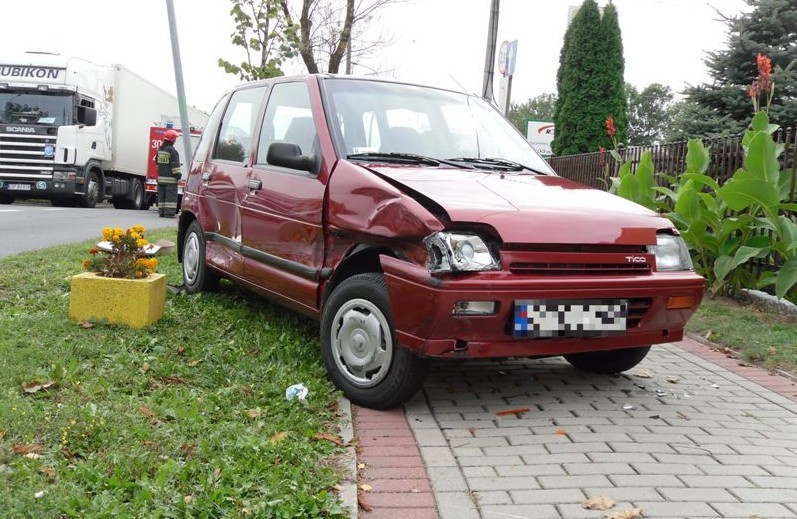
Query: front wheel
column 93, row 191
column 609, row 361
column 358, row 345
column 197, row 276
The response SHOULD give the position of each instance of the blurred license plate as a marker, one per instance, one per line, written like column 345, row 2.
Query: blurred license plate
column 569, row 317
column 19, row 187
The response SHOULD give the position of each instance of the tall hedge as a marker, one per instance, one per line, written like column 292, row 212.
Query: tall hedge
column 590, row 84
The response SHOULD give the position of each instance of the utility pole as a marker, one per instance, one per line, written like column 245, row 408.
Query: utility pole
column 489, row 58
column 178, row 76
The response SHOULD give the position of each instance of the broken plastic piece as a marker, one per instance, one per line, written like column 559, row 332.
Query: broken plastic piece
column 629, row 407
column 296, row 391
column 661, row 393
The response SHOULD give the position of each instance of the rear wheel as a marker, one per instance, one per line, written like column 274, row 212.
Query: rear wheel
column 609, row 361
column 136, row 201
column 92, row 194
column 358, row 345
column 197, row 277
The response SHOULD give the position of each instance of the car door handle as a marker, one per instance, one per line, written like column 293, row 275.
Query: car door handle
column 254, row 184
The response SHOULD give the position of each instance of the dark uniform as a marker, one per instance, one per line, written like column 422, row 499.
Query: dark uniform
column 168, row 174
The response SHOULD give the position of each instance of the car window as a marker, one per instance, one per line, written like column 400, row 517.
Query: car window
column 288, row 118
column 238, row 124
column 210, row 130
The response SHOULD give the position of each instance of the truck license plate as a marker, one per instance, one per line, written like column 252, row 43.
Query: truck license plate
column 569, row 317
column 19, row 187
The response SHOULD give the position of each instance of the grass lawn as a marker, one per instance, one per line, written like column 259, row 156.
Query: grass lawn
column 185, row 418
column 760, row 336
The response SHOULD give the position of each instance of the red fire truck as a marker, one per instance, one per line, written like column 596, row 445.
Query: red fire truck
column 156, row 134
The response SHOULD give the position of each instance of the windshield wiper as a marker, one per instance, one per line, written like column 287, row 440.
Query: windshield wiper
column 495, row 163
column 404, row 158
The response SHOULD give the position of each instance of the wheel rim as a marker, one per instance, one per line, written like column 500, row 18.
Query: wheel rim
column 191, row 258
column 362, row 344
column 93, row 189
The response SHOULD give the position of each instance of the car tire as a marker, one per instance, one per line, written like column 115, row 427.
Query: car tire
column 359, row 348
column 609, row 361
column 197, row 276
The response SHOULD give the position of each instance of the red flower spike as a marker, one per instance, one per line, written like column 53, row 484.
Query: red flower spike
column 610, row 126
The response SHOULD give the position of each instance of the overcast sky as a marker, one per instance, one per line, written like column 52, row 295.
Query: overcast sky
column 438, row 42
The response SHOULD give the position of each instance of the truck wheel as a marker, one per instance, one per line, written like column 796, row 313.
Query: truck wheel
column 5, row 199
column 358, row 345
column 197, row 276
column 92, row 194
column 608, row 362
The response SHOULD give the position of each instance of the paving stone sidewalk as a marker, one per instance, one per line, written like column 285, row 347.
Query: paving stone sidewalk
column 707, row 442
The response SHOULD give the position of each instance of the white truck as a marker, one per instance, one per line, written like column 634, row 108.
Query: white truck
column 76, row 132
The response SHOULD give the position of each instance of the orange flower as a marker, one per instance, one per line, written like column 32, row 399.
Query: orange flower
column 764, row 65
column 94, row 251
column 610, row 126
column 753, row 91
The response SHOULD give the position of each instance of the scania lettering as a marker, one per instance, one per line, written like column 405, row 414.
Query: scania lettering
column 76, row 133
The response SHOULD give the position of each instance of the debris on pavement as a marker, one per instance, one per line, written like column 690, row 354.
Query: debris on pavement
column 296, row 391
column 598, row 503
column 629, row 407
column 643, row 373
column 519, row 411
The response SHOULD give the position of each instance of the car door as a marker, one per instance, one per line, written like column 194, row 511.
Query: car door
column 281, row 214
column 224, row 179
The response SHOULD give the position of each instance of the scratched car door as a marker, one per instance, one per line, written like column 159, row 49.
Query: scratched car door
column 281, row 214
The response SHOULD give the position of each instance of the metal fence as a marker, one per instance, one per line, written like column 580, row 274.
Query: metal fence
column 727, row 155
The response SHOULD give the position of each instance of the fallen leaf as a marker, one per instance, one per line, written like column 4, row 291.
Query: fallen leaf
column 672, row 379
column 194, row 363
column 188, row 449
column 21, row 448
column 180, row 350
column 33, row 455
column 252, row 353
column 472, row 431
column 631, row 513
column 745, row 364
column 146, row 367
column 146, row 411
column 366, row 487
column 560, row 432
column 519, row 411
column 3, row 433
column 173, row 379
column 329, row 437
column 278, row 437
column 337, row 488
column 188, row 499
column 598, row 503
column 643, row 373
column 773, row 351
column 707, row 335
column 47, row 471
column 34, row 386
column 248, row 391
column 245, row 511
column 360, row 466
column 86, row 324
column 66, row 453
column 216, row 474
column 253, row 413
column 363, row 504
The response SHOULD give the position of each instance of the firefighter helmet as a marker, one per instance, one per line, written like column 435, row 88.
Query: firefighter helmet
column 170, row 136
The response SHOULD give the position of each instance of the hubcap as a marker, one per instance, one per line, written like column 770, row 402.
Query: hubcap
column 361, row 341
column 191, row 258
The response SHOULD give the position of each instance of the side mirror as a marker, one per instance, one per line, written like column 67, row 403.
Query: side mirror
column 87, row 116
column 289, row 155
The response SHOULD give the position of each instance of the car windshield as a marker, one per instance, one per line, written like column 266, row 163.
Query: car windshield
column 375, row 119
column 36, row 108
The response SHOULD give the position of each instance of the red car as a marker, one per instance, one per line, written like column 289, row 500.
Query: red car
column 416, row 222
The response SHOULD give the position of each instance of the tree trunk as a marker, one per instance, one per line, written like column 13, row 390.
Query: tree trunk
column 345, row 36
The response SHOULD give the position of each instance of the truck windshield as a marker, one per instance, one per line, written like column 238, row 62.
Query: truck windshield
column 48, row 109
column 374, row 118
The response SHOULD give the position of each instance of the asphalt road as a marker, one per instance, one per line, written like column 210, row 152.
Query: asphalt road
column 29, row 226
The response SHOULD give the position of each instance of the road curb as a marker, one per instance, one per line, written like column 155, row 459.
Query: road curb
column 348, row 462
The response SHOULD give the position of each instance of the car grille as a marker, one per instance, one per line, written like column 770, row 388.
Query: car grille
column 579, row 269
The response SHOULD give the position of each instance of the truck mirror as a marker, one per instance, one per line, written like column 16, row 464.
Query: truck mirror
column 289, row 155
column 87, row 116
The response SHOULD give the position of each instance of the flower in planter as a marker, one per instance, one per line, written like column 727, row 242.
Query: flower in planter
column 122, row 254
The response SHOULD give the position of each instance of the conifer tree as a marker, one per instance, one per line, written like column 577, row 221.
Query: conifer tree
column 770, row 28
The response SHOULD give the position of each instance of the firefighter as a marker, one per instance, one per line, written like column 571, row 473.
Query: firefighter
column 168, row 175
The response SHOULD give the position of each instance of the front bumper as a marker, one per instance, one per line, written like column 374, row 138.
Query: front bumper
column 423, row 305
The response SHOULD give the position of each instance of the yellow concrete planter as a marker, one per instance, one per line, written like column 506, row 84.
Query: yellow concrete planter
column 133, row 302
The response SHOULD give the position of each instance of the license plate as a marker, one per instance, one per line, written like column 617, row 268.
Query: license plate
column 569, row 318
column 19, row 187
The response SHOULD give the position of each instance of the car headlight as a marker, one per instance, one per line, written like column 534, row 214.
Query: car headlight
column 671, row 253
column 459, row 252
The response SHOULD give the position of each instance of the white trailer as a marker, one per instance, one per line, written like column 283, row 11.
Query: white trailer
column 76, row 132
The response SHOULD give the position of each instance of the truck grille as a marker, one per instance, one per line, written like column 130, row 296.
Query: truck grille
column 23, row 156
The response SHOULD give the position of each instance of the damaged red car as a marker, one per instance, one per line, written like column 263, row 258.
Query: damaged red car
column 415, row 222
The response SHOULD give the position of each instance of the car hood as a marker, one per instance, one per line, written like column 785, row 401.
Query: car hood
column 529, row 208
